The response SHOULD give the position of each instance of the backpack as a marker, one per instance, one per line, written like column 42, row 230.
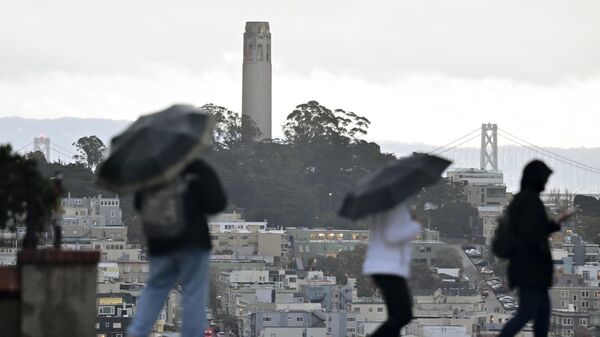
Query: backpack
column 162, row 210
column 504, row 242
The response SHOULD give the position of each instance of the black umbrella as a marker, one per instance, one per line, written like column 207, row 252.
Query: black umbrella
column 392, row 184
column 155, row 148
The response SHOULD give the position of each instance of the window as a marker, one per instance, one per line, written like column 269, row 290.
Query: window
column 266, row 319
column 351, row 319
column 564, row 294
column 379, row 309
column 299, row 319
column 356, row 309
column 574, row 297
column 370, row 309
column 106, row 310
column 585, row 294
column 350, row 330
column 117, row 325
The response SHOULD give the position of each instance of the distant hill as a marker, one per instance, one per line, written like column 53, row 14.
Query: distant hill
column 64, row 131
column 19, row 132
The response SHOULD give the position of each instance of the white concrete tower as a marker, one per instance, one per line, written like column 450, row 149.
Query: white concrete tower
column 256, row 87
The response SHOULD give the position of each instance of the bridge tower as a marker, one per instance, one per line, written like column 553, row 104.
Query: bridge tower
column 489, row 146
column 42, row 144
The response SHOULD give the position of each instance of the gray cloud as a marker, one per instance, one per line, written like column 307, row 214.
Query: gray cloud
column 532, row 41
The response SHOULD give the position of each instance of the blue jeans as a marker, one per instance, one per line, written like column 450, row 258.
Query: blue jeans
column 190, row 268
column 534, row 303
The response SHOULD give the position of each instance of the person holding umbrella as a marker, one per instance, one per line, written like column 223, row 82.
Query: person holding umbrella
column 381, row 197
column 157, row 159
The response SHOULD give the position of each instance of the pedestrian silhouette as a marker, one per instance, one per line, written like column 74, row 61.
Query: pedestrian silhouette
column 181, row 258
column 530, row 268
column 388, row 263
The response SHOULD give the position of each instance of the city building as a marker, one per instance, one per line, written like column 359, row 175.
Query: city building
column 286, row 324
column 577, row 298
column 115, row 311
column 482, row 187
column 489, row 221
column 307, row 243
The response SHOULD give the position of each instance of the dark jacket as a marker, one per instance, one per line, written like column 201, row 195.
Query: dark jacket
column 531, row 265
column 204, row 196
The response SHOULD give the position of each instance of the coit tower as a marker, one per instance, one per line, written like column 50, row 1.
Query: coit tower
column 256, row 81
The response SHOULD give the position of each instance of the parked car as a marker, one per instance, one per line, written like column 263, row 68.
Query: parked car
column 486, row 270
column 467, row 246
column 473, row 253
column 482, row 263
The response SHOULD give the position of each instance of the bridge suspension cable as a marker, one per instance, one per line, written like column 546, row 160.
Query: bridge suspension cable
column 455, row 141
column 460, row 144
column 548, row 154
column 64, row 149
column 24, row 147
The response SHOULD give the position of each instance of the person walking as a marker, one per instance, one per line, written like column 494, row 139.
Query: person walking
column 530, row 268
column 388, row 263
column 184, row 257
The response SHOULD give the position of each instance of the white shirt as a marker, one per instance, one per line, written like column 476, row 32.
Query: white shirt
column 390, row 248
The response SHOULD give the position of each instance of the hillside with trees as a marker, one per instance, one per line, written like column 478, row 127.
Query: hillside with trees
column 296, row 181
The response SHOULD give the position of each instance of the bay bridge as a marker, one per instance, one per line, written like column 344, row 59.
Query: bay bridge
column 575, row 170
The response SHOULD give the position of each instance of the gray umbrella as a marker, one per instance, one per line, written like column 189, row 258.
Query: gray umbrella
column 392, row 184
column 155, row 148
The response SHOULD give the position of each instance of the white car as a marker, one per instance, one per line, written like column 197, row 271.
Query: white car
column 486, row 270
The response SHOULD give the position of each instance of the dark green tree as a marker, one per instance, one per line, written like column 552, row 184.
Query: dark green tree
column 588, row 205
column 422, row 277
column 230, row 131
column 348, row 264
column 454, row 220
column 440, row 194
column 89, row 150
column 447, row 258
column 311, row 121
column 24, row 193
column 38, row 156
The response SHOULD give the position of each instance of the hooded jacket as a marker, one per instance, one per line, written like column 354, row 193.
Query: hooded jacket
column 531, row 265
column 204, row 196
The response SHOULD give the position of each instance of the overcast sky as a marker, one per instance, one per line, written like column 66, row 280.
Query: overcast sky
column 421, row 71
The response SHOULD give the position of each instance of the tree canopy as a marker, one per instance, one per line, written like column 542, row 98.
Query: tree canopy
column 21, row 187
column 89, row 150
column 300, row 180
column 444, row 207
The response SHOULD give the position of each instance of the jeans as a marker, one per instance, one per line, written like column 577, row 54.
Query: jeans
column 534, row 303
column 189, row 267
column 398, row 302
